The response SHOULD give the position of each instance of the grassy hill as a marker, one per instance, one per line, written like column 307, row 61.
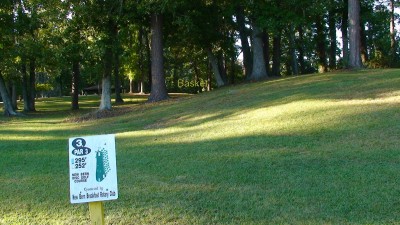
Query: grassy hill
column 316, row 149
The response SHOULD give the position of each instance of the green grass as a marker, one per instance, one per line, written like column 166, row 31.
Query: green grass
column 317, row 149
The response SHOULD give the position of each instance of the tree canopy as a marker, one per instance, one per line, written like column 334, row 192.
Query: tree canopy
column 159, row 46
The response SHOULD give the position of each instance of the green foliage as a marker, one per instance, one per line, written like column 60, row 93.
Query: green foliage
column 55, row 33
column 44, row 87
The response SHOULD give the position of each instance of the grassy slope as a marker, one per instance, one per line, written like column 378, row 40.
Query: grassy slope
column 320, row 149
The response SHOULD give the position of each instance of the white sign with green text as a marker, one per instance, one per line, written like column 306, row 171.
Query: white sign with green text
column 92, row 169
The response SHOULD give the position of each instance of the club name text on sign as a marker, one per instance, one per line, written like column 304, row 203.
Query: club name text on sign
column 92, row 169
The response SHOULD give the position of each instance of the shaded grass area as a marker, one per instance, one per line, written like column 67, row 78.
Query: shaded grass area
column 319, row 149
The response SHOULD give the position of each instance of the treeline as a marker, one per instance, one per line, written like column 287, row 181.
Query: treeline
column 156, row 46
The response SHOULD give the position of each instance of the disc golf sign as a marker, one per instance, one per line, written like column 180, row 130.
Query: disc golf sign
column 92, row 169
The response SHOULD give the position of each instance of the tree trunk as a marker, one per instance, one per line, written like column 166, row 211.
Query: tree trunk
column 131, row 86
column 214, row 66
column 158, row 87
column 14, row 95
column 259, row 71
column 292, row 51
column 32, row 84
column 25, row 92
column 105, row 103
column 222, row 68
column 393, row 45
column 7, row 105
column 117, row 81
column 321, row 49
column 197, row 76
column 149, row 63
column 233, row 69
column 141, row 62
column 141, row 91
column 76, row 73
column 301, row 50
column 116, row 54
column 345, row 36
column 266, row 51
column 247, row 57
column 364, row 46
column 354, row 37
column 209, row 80
column 332, row 38
column 276, row 55
column 144, row 53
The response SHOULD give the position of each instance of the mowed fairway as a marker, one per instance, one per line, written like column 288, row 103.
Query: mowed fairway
column 315, row 149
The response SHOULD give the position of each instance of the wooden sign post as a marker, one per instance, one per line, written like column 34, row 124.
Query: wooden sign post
column 96, row 211
column 93, row 173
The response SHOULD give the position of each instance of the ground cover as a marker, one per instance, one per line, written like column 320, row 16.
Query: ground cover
column 315, row 149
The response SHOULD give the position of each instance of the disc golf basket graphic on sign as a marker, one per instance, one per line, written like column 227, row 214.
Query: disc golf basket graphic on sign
column 102, row 164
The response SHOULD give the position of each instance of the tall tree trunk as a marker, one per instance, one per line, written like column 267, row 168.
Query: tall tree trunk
column 76, row 73
column 116, row 54
column 141, row 91
column 131, row 86
column 332, row 38
column 233, row 69
column 209, row 80
column 214, row 66
column 301, row 50
column 276, row 54
column 196, row 75
column 105, row 103
column 345, row 35
column 266, row 50
column 142, row 42
column 149, row 63
column 117, row 81
column 60, row 84
column 14, row 95
column 32, row 84
column 364, row 46
column 244, row 35
column 393, row 45
column 222, row 68
column 259, row 71
column 292, row 50
column 25, row 91
column 158, row 87
column 354, row 37
column 7, row 105
column 321, row 48
column 370, row 36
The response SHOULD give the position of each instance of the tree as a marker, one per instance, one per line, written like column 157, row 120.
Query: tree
column 259, row 70
column 345, row 36
column 393, row 43
column 105, row 102
column 354, row 37
column 158, row 87
column 7, row 45
column 107, row 28
column 7, row 104
column 75, row 84
column 243, row 33
column 321, row 45
column 332, row 34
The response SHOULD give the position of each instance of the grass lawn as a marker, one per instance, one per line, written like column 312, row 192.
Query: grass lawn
column 315, row 149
